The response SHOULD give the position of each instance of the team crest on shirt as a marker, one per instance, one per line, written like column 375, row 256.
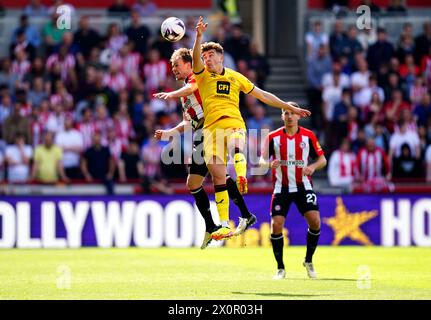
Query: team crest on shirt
column 213, row 75
column 302, row 145
column 232, row 79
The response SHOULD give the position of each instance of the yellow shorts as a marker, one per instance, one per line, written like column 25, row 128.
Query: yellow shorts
column 222, row 136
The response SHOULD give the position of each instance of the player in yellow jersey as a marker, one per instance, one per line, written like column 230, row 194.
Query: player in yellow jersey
column 224, row 129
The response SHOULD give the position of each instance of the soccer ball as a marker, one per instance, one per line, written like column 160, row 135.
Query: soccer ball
column 173, row 29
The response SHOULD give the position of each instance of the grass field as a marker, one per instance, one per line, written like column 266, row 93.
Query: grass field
column 215, row 273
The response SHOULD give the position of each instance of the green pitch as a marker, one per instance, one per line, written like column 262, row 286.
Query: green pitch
column 215, row 273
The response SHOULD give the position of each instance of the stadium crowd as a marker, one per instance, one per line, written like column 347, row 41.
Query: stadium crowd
column 371, row 97
column 78, row 105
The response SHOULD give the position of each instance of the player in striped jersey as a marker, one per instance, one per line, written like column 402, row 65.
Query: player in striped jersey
column 290, row 147
column 193, row 113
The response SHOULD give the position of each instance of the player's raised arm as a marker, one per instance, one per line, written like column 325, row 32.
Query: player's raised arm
column 273, row 101
column 198, row 65
column 184, row 91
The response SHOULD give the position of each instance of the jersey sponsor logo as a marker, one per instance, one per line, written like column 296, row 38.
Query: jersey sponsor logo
column 223, row 87
column 297, row 163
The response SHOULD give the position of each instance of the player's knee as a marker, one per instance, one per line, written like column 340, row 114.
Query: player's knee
column 314, row 223
column 193, row 185
column 276, row 227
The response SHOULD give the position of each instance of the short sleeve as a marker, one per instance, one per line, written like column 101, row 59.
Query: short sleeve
column 246, row 85
column 316, row 149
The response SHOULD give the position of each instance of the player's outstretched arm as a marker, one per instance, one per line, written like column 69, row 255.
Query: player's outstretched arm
column 201, row 27
column 184, row 91
column 273, row 101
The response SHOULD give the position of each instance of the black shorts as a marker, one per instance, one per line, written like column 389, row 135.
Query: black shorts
column 305, row 200
column 198, row 165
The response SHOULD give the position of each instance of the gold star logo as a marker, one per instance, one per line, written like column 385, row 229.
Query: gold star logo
column 347, row 225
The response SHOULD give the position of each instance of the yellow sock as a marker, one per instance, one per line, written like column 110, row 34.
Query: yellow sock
column 240, row 164
column 222, row 202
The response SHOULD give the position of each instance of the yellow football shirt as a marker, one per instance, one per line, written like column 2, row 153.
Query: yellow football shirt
column 47, row 160
column 220, row 94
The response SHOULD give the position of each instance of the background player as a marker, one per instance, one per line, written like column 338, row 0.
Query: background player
column 290, row 146
column 193, row 115
column 224, row 127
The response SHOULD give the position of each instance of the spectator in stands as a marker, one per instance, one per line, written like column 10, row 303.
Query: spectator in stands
column 259, row 121
column 130, row 166
column 123, row 126
column 238, row 43
column 87, row 127
column 17, row 158
column 365, row 96
column 373, row 7
column 418, row 91
column 61, row 96
column 331, row 95
column 342, row 166
column 138, row 33
column 115, row 79
column 403, row 135
column 48, row 165
column 31, row 35
column 36, row 9
column 394, row 84
column 2, row 173
column 258, row 62
column 336, row 39
column 37, row 93
column 393, row 109
column 374, row 107
column 85, row 37
column 422, row 111
column 339, row 121
column 63, row 64
column 315, row 38
column 156, row 71
column 118, row 8
column 396, row 8
column 423, row 42
column 7, row 79
column 373, row 165
column 16, row 123
column 72, row 144
column 350, row 45
column 51, row 34
column 103, row 122
column 407, row 66
column 20, row 66
column 374, row 129
column 428, row 163
column 116, row 39
column 380, row 52
column 146, row 8
column 359, row 79
column 115, row 145
column 328, row 78
column 97, row 163
column 405, row 47
column 356, row 135
column 367, row 37
column 426, row 68
column 406, row 166
column 6, row 106
column 37, row 70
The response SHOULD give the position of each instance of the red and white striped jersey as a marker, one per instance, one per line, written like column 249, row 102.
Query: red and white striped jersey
column 372, row 164
column 293, row 151
column 115, row 82
column 67, row 64
column 192, row 106
column 342, row 168
column 87, row 129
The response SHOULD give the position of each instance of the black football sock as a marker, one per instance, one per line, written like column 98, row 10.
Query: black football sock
column 277, row 241
column 203, row 204
column 312, row 240
column 236, row 197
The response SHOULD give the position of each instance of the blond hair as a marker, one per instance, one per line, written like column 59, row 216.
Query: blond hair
column 183, row 53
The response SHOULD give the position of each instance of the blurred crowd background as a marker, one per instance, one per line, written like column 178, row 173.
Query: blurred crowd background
column 77, row 105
